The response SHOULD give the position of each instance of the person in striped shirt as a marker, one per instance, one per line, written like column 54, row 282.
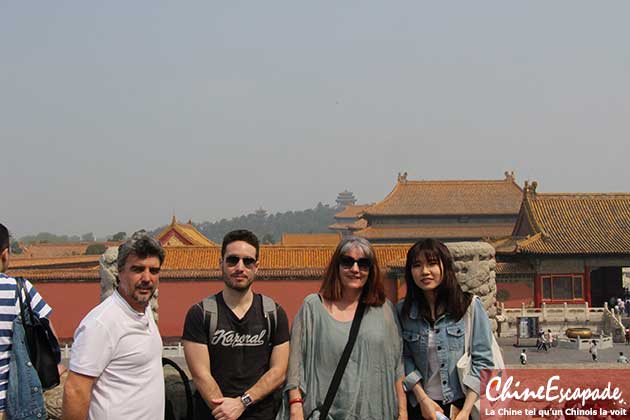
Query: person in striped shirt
column 9, row 308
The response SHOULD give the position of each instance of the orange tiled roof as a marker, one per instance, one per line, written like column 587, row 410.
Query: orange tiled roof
column 203, row 262
column 352, row 212
column 504, row 268
column 467, row 197
column 170, row 235
column 74, row 274
column 271, row 256
column 359, row 224
column 79, row 260
column 56, row 250
column 293, row 239
column 412, row 233
column 580, row 223
column 92, row 275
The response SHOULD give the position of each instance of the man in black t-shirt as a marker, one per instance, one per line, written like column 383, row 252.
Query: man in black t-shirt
column 236, row 369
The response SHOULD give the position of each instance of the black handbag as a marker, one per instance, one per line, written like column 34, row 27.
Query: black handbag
column 341, row 366
column 43, row 347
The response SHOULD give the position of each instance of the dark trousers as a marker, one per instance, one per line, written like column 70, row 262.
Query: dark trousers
column 415, row 414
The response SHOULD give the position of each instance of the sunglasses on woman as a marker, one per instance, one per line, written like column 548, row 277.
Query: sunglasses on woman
column 232, row 261
column 349, row 262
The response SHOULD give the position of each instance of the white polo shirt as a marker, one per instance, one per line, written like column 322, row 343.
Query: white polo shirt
column 123, row 350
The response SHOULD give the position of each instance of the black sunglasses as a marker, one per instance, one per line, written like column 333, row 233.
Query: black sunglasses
column 348, row 262
column 233, row 260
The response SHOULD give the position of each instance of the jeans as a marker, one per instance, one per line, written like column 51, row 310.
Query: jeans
column 24, row 394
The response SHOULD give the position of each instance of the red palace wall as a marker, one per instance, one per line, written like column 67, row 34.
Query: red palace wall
column 519, row 292
column 72, row 301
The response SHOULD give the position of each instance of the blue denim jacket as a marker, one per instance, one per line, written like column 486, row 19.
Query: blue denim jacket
column 449, row 335
column 24, row 394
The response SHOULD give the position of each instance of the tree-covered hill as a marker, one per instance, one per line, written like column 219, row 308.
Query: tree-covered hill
column 270, row 227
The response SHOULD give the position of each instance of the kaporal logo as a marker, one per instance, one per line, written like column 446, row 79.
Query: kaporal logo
column 234, row 339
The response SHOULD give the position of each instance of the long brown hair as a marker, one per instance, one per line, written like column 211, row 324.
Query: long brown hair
column 373, row 293
column 450, row 298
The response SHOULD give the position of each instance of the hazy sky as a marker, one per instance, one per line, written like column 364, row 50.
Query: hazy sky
column 115, row 114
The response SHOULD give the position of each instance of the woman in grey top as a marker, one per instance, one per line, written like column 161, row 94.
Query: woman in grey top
column 371, row 385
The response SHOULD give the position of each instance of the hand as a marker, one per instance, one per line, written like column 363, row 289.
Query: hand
column 428, row 407
column 463, row 414
column 227, row 408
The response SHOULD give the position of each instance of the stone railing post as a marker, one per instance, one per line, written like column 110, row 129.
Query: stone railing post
column 586, row 311
column 565, row 310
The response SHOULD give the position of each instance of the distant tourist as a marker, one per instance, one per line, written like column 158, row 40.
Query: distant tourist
column 523, row 357
column 549, row 338
column 9, row 309
column 236, row 342
column 593, row 350
column 622, row 358
column 116, row 359
column 627, row 336
column 541, row 343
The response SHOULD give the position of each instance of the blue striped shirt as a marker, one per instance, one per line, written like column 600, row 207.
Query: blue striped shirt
column 9, row 309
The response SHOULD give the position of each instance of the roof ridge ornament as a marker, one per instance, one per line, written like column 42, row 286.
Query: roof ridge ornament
column 509, row 176
column 402, row 178
column 530, row 189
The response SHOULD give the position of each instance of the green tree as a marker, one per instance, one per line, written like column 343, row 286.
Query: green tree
column 87, row 237
column 120, row 236
column 95, row 249
column 15, row 247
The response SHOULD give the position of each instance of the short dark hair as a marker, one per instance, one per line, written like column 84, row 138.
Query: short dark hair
column 142, row 246
column 373, row 293
column 450, row 296
column 4, row 237
column 240, row 235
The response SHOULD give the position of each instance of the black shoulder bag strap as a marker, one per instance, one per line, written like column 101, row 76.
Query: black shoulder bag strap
column 19, row 286
column 343, row 361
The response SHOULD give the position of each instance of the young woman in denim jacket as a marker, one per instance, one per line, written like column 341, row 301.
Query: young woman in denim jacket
column 431, row 316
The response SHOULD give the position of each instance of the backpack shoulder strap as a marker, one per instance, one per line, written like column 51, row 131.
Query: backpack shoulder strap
column 210, row 314
column 271, row 315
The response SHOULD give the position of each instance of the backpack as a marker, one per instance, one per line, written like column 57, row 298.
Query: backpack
column 172, row 410
column 270, row 311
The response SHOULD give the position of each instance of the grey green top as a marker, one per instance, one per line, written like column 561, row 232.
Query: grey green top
column 367, row 390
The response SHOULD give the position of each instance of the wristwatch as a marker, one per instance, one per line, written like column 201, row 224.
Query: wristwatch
column 246, row 400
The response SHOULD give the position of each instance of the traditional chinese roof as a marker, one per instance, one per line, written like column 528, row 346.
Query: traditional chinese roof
column 92, row 275
column 437, row 198
column 60, row 262
column 193, row 262
column 506, row 268
column 357, row 225
column 352, row 212
column 56, row 250
column 182, row 234
column 271, row 256
column 293, row 239
column 573, row 223
column 444, row 232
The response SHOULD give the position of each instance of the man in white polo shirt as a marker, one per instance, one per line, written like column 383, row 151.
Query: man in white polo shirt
column 116, row 359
